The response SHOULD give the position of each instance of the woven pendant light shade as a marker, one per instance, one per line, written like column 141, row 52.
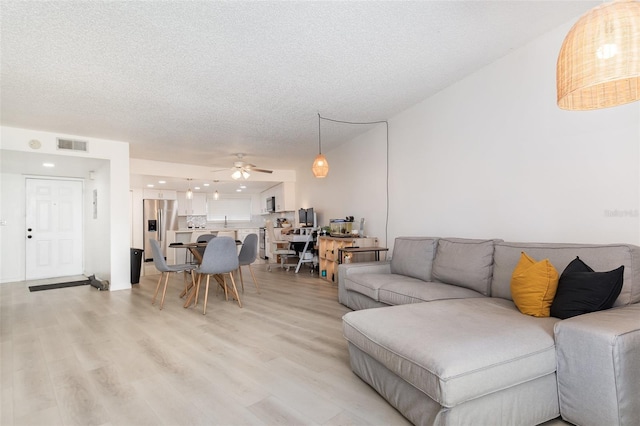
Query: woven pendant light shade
column 599, row 62
column 320, row 166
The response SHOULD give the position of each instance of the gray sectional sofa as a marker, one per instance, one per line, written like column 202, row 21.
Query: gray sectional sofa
column 436, row 333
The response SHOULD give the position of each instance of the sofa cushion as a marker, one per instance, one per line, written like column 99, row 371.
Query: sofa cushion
column 411, row 290
column 604, row 257
column 581, row 290
column 464, row 262
column 534, row 285
column 456, row 350
column 413, row 256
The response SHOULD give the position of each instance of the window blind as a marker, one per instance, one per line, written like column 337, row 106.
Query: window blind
column 235, row 209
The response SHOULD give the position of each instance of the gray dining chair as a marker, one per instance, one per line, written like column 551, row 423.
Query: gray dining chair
column 205, row 238
column 164, row 269
column 220, row 259
column 248, row 255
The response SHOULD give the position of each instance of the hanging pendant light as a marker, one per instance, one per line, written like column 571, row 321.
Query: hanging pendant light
column 216, row 194
column 320, row 166
column 189, row 193
column 599, row 62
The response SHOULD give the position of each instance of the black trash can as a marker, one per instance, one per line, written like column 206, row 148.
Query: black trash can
column 136, row 264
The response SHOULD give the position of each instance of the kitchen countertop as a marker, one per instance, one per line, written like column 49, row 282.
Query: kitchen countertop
column 215, row 229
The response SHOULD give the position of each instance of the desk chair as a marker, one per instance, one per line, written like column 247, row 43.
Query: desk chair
column 248, row 255
column 161, row 265
column 220, row 258
column 278, row 247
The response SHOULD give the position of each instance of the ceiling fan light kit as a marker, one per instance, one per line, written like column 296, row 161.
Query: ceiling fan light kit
column 240, row 173
column 241, row 170
column 599, row 61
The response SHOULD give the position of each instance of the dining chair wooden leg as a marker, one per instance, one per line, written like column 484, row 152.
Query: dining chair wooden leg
column 186, row 283
column 241, row 279
column 192, row 291
column 224, row 284
column 235, row 290
column 198, row 289
column 164, row 290
column 206, row 296
column 153, row 300
column 254, row 278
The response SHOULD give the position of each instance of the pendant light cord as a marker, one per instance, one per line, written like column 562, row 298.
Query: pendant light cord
column 386, row 123
column 319, row 138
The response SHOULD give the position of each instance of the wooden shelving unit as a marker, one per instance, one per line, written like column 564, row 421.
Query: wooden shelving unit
column 328, row 253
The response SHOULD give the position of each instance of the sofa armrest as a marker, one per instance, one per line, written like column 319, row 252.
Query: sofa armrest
column 598, row 358
column 347, row 269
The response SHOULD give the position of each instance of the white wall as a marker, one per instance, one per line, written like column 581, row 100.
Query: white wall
column 12, row 243
column 493, row 157
column 107, row 240
column 355, row 185
column 98, row 229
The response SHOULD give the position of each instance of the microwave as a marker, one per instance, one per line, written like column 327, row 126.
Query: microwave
column 271, row 204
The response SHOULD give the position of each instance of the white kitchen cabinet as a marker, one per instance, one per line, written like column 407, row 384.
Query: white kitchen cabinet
column 287, row 197
column 267, row 193
column 285, row 194
column 158, row 194
column 197, row 206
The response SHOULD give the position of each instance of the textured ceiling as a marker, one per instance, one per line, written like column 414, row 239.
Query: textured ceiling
column 196, row 82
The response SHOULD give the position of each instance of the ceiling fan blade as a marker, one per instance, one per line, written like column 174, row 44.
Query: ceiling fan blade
column 261, row 170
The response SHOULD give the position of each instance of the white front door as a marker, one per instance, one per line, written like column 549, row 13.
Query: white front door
column 54, row 228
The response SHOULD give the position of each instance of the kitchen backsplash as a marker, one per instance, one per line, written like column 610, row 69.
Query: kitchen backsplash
column 257, row 221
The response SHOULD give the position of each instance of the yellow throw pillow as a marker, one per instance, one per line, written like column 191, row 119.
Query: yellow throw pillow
column 534, row 285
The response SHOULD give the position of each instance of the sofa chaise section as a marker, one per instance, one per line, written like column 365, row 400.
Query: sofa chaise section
column 455, row 353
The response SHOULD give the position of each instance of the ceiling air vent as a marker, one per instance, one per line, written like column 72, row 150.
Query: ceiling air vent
column 72, row 145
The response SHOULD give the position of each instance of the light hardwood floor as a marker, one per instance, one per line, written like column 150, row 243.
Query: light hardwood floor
column 79, row 356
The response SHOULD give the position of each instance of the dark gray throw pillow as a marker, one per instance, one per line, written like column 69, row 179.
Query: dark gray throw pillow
column 581, row 290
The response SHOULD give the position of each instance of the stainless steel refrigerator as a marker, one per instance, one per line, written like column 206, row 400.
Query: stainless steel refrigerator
column 159, row 217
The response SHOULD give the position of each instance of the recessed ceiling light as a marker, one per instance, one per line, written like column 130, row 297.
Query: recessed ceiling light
column 243, row 186
column 196, row 187
column 206, row 184
column 149, row 185
column 162, row 181
column 238, row 190
column 48, row 164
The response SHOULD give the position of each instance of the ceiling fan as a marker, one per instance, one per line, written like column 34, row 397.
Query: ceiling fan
column 242, row 170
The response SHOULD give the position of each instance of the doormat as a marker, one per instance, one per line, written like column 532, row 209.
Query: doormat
column 58, row 285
